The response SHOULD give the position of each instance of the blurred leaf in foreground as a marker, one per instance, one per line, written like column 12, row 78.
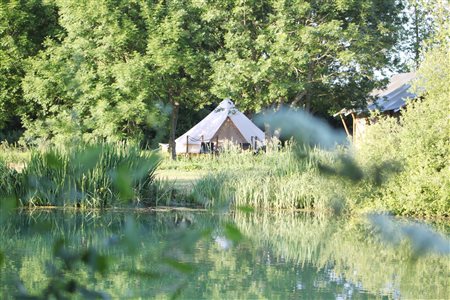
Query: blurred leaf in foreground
column 423, row 239
column 123, row 182
column 53, row 160
column 131, row 239
column 347, row 168
column 304, row 128
column 182, row 267
column 233, row 233
column 7, row 204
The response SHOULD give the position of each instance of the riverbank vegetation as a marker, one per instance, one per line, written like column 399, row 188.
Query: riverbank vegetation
column 400, row 165
column 151, row 68
column 99, row 176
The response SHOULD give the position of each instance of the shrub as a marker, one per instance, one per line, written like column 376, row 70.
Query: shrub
column 420, row 141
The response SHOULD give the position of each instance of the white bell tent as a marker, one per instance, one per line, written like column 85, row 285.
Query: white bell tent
column 224, row 124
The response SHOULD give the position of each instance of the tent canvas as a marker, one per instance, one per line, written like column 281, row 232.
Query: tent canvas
column 224, row 123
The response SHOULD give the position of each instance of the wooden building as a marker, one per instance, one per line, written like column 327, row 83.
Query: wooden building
column 387, row 101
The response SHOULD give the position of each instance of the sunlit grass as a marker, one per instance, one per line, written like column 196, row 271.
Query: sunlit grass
column 281, row 178
column 14, row 156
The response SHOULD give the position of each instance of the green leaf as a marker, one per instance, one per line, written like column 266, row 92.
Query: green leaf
column 122, row 180
column 182, row 267
column 7, row 204
column 246, row 209
column 53, row 160
column 233, row 233
column 88, row 158
column 98, row 263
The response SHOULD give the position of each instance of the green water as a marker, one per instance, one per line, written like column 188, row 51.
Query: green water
column 190, row 254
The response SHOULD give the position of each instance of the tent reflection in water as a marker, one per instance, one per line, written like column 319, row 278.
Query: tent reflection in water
column 224, row 125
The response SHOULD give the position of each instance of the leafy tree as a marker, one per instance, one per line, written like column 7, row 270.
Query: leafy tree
column 180, row 43
column 116, row 66
column 426, row 20
column 93, row 84
column 319, row 55
column 420, row 141
column 24, row 24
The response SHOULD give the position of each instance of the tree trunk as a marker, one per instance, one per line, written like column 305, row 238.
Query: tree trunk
column 173, row 127
column 416, row 32
column 308, row 95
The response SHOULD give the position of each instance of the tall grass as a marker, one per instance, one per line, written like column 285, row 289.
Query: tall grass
column 278, row 179
column 14, row 155
column 8, row 182
column 87, row 176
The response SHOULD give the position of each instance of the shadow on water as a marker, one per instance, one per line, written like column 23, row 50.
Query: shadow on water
column 188, row 254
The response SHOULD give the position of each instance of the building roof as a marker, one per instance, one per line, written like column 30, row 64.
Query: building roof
column 392, row 98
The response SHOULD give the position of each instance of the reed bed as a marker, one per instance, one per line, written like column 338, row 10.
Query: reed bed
column 8, row 180
column 283, row 179
column 85, row 176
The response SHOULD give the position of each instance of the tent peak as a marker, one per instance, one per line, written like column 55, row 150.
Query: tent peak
column 225, row 123
column 226, row 103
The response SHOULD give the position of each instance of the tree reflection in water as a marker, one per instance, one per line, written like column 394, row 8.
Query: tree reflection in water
column 286, row 255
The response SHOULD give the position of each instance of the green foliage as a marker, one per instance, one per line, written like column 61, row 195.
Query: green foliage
column 93, row 83
column 91, row 176
column 24, row 25
column 113, row 70
column 316, row 55
column 420, row 141
column 178, row 48
column 427, row 27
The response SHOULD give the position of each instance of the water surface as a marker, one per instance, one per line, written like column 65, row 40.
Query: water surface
column 193, row 255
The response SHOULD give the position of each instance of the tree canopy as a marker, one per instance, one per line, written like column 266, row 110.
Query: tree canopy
column 115, row 69
column 319, row 55
column 24, row 26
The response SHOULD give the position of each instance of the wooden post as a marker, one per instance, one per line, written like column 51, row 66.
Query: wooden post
column 251, row 142
column 354, row 127
column 217, row 142
column 187, row 145
column 345, row 125
column 202, row 144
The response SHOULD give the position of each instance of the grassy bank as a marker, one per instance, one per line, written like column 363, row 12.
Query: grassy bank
column 313, row 179
column 288, row 178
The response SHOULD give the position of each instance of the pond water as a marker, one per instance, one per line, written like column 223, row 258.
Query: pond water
column 196, row 255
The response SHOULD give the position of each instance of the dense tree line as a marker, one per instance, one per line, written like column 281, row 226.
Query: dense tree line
column 115, row 69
